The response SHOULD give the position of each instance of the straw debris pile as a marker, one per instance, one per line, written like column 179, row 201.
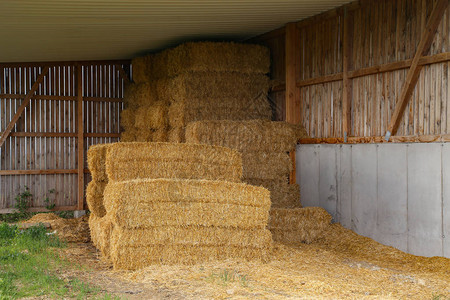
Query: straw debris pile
column 196, row 81
column 264, row 146
column 177, row 203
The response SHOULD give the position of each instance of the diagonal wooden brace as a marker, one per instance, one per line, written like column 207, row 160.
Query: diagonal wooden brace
column 24, row 104
column 414, row 71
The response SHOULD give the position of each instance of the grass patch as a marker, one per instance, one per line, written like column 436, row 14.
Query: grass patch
column 224, row 277
column 29, row 266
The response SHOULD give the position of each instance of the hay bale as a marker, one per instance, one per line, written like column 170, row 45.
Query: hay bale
column 298, row 225
column 129, row 135
column 96, row 158
column 151, row 117
column 148, row 203
column 127, row 161
column 203, row 85
column 265, row 165
column 127, row 119
column 142, row 67
column 140, row 94
column 184, row 111
column 212, row 57
column 94, row 197
column 191, row 235
column 160, row 135
column 176, row 135
column 282, row 194
column 144, row 135
column 255, row 135
column 101, row 230
column 141, row 257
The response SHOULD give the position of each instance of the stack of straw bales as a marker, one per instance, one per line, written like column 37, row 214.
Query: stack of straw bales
column 196, row 81
column 177, row 203
column 264, row 146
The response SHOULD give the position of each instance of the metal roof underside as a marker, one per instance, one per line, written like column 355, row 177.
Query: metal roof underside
column 68, row 30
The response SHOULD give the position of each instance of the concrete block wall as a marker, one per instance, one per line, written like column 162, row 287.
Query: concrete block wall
column 397, row 194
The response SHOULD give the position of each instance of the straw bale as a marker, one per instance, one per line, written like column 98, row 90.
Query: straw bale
column 101, row 230
column 142, row 68
column 203, row 85
column 254, row 135
column 151, row 117
column 94, row 197
column 127, row 161
column 176, row 135
column 282, row 194
column 140, row 94
column 298, row 225
column 140, row 257
column 191, row 235
column 96, row 158
column 265, row 165
column 148, row 203
column 129, row 135
column 183, row 111
column 160, row 135
column 211, row 57
column 127, row 118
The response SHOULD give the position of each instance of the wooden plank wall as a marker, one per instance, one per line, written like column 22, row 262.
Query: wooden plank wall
column 384, row 39
column 41, row 151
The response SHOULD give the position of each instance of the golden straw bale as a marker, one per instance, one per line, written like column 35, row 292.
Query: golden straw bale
column 184, row 111
column 144, row 135
column 282, row 194
column 298, row 225
column 265, row 165
column 94, row 197
column 142, row 67
column 96, row 158
column 127, row 161
column 254, row 135
column 176, row 135
column 129, row 135
column 202, row 85
column 127, row 119
column 140, row 94
column 151, row 117
column 147, row 203
column 160, row 135
column 212, row 57
column 191, row 235
column 101, row 230
column 140, row 257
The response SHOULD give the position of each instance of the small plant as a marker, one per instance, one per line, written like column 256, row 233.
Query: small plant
column 50, row 204
column 226, row 276
column 23, row 201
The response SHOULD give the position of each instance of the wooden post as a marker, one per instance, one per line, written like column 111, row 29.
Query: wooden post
column 80, row 139
column 414, row 71
column 24, row 104
column 292, row 63
column 124, row 74
column 347, row 91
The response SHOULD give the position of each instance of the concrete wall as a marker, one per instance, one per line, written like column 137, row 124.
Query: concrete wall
column 397, row 194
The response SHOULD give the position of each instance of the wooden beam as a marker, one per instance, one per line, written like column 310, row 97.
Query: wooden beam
column 123, row 74
column 63, row 134
column 347, row 91
column 414, row 71
column 293, row 107
column 320, row 80
column 63, row 98
column 64, row 63
column 24, row 104
column 80, row 140
column 38, row 209
column 379, row 139
column 38, row 172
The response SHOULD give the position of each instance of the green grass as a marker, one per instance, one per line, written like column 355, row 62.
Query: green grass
column 29, row 266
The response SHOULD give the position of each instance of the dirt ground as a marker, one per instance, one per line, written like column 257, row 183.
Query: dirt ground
column 341, row 265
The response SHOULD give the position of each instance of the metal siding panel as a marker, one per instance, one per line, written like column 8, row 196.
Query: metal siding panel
column 392, row 214
column 344, row 207
column 424, row 199
column 446, row 198
column 327, row 180
column 307, row 163
column 364, row 189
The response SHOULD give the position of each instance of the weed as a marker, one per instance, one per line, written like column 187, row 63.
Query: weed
column 50, row 204
column 226, row 276
column 23, row 201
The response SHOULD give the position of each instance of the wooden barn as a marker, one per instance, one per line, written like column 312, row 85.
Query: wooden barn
column 349, row 126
